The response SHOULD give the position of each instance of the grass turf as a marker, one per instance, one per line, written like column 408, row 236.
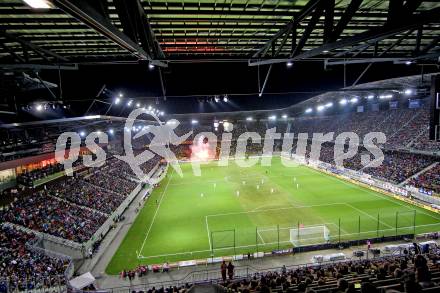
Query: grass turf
column 185, row 225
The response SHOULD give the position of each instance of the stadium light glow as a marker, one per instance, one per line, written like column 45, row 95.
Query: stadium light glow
column 370, row 97
column 289, row 64
column 111, row 131
column 98, row 131
column 260, row 95
column 354, row 100
column 149, row 108
column 117, row 101
column 138, row 105
column 309, row 110
column 320, row 108
column 249, row 119
column 328, row 105
column 382, row 97
column 215, row 124
column 284, row 116
column 408, row 62
column 273, row 117
column 151, row 66
column 38, row 4
column 161, row 113
column 225, row 99
column 216, row 99
column 194, row 121
column 343, row 102
column 408, row 92
column 39, row 107
column 129, row 103
column 82, row 134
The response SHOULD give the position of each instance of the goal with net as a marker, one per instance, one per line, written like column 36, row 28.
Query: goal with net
column 309, row 235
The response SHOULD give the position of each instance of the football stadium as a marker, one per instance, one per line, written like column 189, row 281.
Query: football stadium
column 219, row 146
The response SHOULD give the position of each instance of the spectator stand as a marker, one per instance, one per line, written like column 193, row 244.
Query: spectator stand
column 55, row 283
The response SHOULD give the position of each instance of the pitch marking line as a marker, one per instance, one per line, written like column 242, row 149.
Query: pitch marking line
column 209, row 236
column 368, row 215
column 281, row 242
column 275, row 209
column 262, row 239
column 385, row 197
column 155, row 214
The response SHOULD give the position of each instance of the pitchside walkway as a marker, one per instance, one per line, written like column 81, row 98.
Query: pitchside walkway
column 99, row 262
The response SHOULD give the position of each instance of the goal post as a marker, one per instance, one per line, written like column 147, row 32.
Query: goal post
column 309, row 235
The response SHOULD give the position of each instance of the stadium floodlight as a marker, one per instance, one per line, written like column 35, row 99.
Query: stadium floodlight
column 138, row 105
column 98, row 131
column 273, row 117
column 129, row 103
column 111, row 131
column 82, row 133
column 225, row 99
column 194, row 121
column 161, row 113
column 260, row 95
column 320, row 108
column 382, row 97
column 117, row 101
column 408, row 62
column 151, row 66
column 328, row 105
column 289, row 64
column 216, row 99
column 249, row 119
column 121, row 95
column 408, row 92
column 284, row 116
column 354, row 100
column 343, row 102
column 38, row 4
column 39, row 107
column 370, row 97
column 309, row 110
column 149, row 107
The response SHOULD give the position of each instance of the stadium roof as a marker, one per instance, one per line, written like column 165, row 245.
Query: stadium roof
column 257, row 31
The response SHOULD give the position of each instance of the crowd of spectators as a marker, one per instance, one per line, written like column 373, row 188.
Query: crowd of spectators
column 53, row 216
column 407, row 274
column 87, row 194
column 429, row 180
column 24, row 269
column 410, row 273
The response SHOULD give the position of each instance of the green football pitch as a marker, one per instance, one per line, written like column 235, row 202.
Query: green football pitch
column 233, row 210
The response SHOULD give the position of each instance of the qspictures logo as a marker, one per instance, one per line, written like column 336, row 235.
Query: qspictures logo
column 163, row 135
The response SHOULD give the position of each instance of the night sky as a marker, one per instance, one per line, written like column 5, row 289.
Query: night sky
column 204, row 80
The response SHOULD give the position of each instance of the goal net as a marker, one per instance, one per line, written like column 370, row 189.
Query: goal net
column 309, row 235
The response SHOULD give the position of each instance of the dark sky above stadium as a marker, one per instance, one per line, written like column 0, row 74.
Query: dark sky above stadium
column 204, row 80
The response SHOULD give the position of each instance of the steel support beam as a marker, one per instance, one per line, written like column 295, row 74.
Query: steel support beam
column 307, row 9
column 86, row 13
column 38, row 67
column 136, row 26
column 371, row 36
column 310, row 27
column 44, row 53
column 345, row 19
column 328, row 20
